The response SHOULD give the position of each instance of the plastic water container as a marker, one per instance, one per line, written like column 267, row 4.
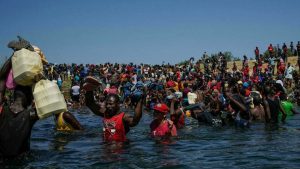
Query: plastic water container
column 48, row 99
column 192, row 98
column 26, row 65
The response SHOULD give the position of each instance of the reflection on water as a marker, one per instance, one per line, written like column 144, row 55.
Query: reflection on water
column 197, row 146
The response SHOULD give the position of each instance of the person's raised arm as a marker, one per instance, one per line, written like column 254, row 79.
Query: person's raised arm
column 133, row 121
column 267, row 110
column 70, row 119
column 90, row 103
column 241, row 106
column 175, row 113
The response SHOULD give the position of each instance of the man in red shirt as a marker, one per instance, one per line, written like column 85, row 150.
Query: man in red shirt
column 115, row 123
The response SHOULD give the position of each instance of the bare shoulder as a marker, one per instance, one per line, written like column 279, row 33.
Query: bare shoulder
column 127, row 117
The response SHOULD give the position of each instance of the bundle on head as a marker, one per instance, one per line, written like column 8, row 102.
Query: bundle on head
column 20, row 44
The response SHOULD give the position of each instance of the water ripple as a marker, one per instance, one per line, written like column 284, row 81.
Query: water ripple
column 197, row 146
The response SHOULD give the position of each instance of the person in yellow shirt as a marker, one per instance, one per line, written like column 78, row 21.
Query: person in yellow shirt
column 65, row 121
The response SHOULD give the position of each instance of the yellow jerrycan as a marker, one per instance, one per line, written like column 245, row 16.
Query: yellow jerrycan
column 26, row 65
column 48, row 99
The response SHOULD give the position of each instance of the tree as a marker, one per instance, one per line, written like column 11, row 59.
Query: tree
column 237, row 59
column 228, row 56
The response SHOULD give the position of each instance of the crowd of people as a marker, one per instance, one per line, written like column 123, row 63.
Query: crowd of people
column 207, row 90
column 214, row 94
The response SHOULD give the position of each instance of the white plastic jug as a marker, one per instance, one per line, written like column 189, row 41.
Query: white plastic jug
column 192, row 98
column 48, row 99
column 26, row 65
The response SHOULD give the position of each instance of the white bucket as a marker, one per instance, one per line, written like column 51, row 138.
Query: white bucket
column 48, row 99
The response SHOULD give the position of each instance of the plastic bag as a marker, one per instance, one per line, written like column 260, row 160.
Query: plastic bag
column 10, row 83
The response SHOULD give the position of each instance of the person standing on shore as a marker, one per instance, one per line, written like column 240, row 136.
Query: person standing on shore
column 271, row 50
column 285, row 50
column 298, row 48
column 256, row 52
column 292, row 47
column 298, row 52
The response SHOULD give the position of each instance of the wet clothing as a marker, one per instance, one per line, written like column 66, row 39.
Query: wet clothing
column 15, row 131
column 242, row 118
column 240, row 122
column 61, row 124
column 208, row 118
column 180, row 123
column 274, row 109
column 162, row 129
column 113, row 128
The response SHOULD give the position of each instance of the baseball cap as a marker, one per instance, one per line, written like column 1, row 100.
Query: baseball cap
column 161, row 107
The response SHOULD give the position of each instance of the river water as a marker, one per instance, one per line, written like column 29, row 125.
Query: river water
column 197, row 146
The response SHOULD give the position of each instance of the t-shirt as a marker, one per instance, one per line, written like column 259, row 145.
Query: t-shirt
column 287, row 106
column 59, row 81
column 15, row 131
column 289, row 72
column 77, row 78
column 75, row 90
